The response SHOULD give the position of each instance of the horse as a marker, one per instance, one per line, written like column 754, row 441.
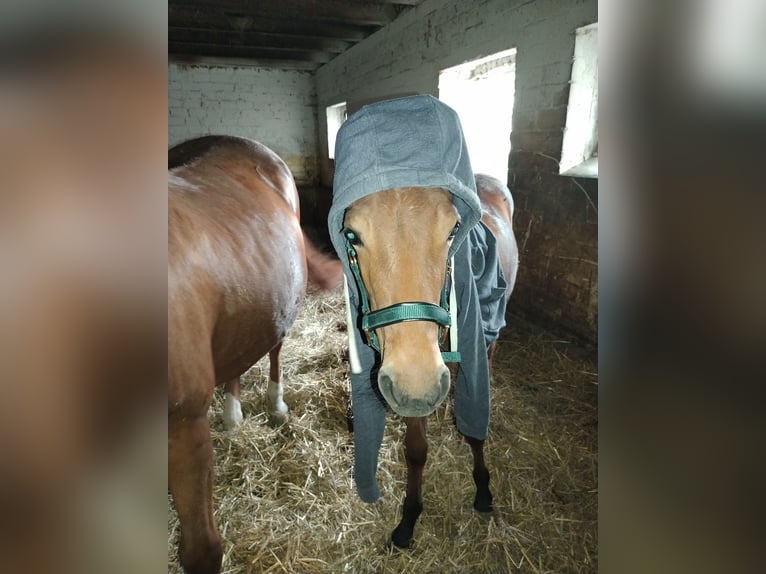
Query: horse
column 497, row 214
column 238, row 265
column 418, row 276
column 427, row 247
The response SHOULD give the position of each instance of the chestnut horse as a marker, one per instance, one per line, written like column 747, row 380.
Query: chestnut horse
column 399, row 243
column 237, row 273
column 497, row 215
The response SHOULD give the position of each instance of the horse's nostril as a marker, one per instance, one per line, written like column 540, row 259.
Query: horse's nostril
column 400, row 398
column 439, row 393
column 445, row 381
column 387, row 387
column 385, row 382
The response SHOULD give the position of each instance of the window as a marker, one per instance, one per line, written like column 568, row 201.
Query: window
column 579, row 151
column 482, row 93
column 336, row 115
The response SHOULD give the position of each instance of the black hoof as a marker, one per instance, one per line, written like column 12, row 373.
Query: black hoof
column 483, row 503
column 401, row 538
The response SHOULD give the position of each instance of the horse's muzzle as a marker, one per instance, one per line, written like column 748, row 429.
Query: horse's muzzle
column 407, row 403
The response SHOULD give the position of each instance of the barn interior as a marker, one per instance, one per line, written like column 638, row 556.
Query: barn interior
column 523, row 77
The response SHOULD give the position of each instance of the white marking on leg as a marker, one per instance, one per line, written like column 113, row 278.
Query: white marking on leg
column 277, row 407
column 232, row 412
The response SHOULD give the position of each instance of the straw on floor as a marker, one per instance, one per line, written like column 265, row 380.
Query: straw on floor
column 285, row 499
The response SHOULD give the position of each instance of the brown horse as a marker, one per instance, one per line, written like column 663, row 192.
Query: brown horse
column 399, row 238
column 497, row 215
column 237, row 273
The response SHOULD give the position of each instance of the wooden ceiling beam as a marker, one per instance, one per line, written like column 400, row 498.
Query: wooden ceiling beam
column 400, row 2
column 346, row 11
column 257, row 39
column 230, row 61
column 216, row 20
column 224, row 50
column 306, row 33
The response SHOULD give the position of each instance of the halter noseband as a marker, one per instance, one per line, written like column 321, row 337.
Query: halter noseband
column 401, row 312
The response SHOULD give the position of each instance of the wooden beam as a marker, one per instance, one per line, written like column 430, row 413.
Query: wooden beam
column 412, row 3
column 347, row 11
column 257, row 39
column 226, row 51
column 197, row 60
column 210, row 19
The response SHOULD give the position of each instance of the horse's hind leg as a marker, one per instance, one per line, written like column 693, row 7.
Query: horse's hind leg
column 416, row 454
column 190, row 477
column 276, row 406
column 232, row 407
column 483, row 500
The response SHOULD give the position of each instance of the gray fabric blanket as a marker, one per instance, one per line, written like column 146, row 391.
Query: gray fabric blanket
column 418, row 142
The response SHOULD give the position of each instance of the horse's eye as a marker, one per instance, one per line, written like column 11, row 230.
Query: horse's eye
column 454, row 232
column 353, row 237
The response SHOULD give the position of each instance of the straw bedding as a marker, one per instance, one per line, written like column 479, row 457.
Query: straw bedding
column 285, row 499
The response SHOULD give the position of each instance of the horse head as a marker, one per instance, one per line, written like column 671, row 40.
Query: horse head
column 401, row 239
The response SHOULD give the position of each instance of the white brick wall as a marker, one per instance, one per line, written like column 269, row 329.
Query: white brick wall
column 275, row 107
column 407, row 56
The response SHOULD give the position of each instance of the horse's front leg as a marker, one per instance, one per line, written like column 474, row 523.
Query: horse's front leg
column 190, row 477
column 416, row 453
column 483, row 500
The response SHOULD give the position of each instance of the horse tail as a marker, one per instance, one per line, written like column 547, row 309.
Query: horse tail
column 325, row 272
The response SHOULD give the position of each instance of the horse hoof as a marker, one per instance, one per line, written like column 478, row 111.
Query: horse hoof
column 231, row 424
column 204, row 559
column 400, row 540
column 277, row 418
column 483, row 506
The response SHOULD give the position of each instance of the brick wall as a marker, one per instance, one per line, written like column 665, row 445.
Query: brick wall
column 555, row 222
column 275, row 107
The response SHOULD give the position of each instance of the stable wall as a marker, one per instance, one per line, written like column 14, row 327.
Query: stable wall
column 555, row 223
column 275, row 107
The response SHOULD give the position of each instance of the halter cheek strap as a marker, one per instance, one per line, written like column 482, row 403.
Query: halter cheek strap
column 405, row 311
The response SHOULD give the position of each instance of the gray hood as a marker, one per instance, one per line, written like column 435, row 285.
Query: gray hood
column 415, row 141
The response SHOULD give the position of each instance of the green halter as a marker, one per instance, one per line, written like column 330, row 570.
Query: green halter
column 401, row 312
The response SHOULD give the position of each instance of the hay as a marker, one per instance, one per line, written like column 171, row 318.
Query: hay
column 285, row 499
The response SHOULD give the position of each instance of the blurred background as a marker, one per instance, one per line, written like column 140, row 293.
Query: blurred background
column 83, row 140
column 683, row 285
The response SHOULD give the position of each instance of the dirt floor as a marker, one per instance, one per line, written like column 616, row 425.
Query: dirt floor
column 285, row 498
